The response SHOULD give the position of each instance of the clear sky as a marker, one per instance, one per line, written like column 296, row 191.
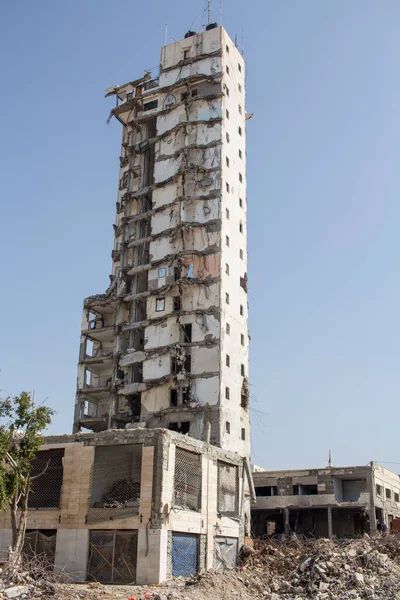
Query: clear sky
column 323, row 205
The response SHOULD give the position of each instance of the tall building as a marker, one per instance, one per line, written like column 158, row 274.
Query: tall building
column 167, row 345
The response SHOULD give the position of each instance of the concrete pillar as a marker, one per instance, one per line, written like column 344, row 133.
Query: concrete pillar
column 329, row 509
column 5, row 542
column 72, row 551
column 146, row 482
column 286, row 521
column 151, row 566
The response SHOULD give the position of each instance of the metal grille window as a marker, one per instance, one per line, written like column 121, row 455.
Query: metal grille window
column 187, row 480
column 40, row 543
column 47, row 475
column 115, row 482
column 228, row 489
column 113, row 556
column 185, row 554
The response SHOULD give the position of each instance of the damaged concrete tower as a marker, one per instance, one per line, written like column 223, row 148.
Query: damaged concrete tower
column 167, row 345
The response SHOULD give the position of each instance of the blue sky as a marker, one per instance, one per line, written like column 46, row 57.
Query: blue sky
column 323, row 205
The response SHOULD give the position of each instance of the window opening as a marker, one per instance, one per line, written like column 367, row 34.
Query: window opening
column 150, row 105
column 186, row 332
column 187, row 480
column 228, row 489
column 160, row 304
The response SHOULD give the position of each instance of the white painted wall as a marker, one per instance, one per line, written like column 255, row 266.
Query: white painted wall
column 230, row 284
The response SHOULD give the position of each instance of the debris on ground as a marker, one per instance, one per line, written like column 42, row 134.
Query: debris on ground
column 318, row 569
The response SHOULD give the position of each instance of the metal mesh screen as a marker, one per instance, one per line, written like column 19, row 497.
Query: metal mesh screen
column 40, row 543
column 228, row 489
column 46, row 489
column 115, row 482
column 185, row 554
column 187, row 480
column 112, row 556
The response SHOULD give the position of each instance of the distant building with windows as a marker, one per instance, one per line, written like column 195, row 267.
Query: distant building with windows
column 335, row 501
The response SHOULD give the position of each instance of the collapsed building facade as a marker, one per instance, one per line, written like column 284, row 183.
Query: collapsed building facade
column 135, row 506
column 167, row 344
column 340, row 501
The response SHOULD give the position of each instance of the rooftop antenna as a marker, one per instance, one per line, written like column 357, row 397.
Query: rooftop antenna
column 242, row 42
column 166, row 34
column 220, row 12
column 208, row 11
column 330, row 459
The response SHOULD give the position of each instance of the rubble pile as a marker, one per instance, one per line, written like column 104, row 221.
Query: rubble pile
column 325, row 569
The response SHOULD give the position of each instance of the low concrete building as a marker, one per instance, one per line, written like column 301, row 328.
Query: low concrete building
column 337, row 501
column 135, row 506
